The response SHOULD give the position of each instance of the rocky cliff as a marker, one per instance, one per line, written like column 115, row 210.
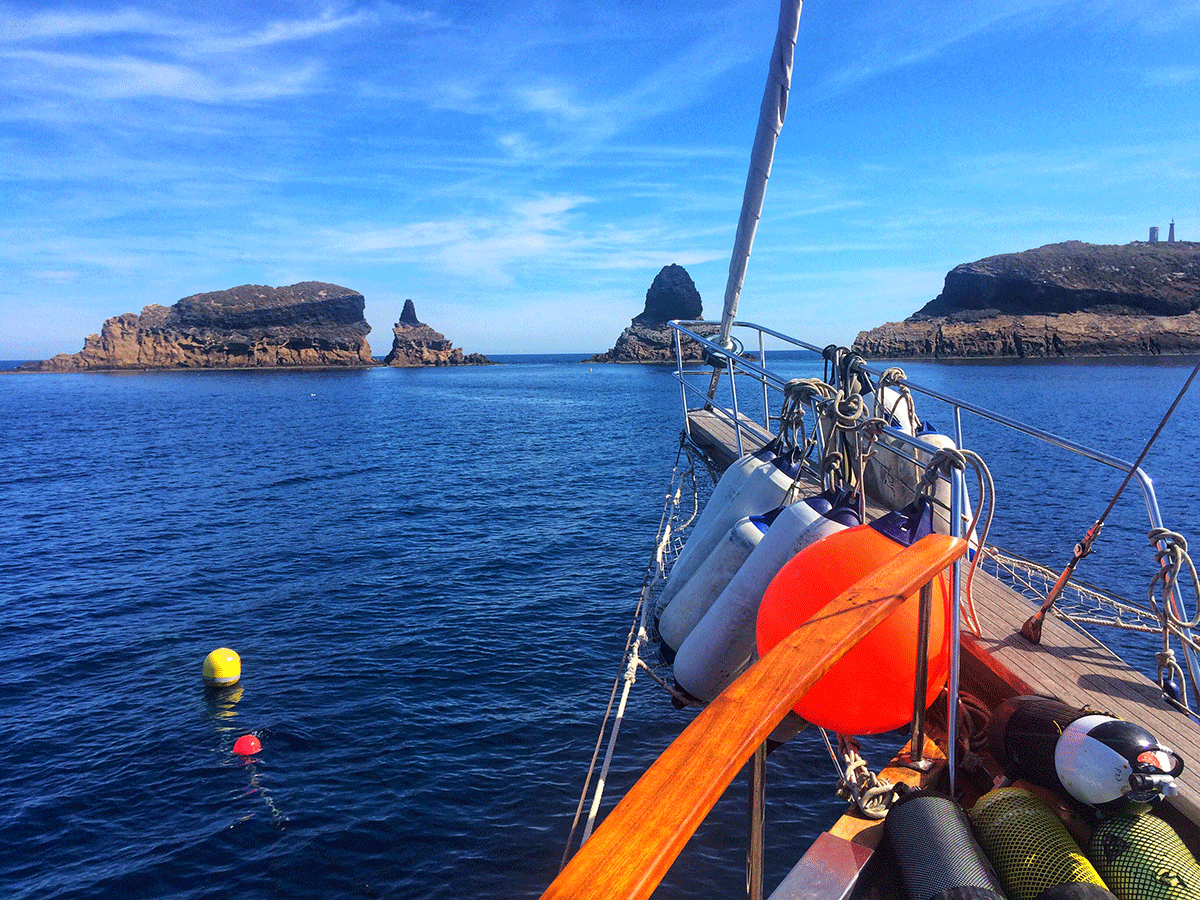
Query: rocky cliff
column 252, row 326
column 416, row 344
column 1068, row 299
column 648, row 339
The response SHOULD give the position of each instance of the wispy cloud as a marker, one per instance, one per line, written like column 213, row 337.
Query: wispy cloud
column 1172, row 76
column 883, row 38
column 124, row 77
column 477, row 247
column 66, row 24
column 192, row 34
column 130, row 53
column 284, row 32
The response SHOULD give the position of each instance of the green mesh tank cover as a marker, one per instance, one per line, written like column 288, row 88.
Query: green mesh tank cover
column 1029, row 847
column 1142, row 858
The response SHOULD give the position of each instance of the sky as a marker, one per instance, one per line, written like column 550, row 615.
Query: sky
column 522, row 170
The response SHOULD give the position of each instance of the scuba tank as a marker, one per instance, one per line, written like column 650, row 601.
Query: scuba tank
column 1034, row 854
column 1140, row 857
column 1102, row 761
column 761, row 489
column 721, row 645
column 938, row 855
column 708, row 579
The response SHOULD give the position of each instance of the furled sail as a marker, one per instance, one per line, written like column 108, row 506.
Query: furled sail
column 770, row 123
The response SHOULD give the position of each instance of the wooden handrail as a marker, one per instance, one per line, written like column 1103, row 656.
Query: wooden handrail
column 638, row 841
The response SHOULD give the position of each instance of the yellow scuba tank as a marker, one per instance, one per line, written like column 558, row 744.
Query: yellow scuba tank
column 1032, row 851
column 1141, row 857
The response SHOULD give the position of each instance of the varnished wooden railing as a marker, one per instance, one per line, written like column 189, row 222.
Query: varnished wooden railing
column 636, row 844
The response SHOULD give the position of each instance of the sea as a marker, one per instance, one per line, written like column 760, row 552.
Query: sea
column 429, row 576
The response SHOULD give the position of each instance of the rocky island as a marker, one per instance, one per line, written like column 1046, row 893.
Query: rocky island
column 648, row 339
column 416, row 344
column 1062, row 300
column 311, row 324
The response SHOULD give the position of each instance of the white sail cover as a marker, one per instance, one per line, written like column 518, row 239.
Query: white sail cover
column 770, row 123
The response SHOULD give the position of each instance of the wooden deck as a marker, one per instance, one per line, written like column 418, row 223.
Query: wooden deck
column 1067, row 664
column 716, row 435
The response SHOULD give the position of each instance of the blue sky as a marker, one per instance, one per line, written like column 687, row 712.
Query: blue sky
column 523, row 170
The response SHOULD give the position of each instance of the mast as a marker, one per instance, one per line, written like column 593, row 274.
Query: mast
column 770, row 123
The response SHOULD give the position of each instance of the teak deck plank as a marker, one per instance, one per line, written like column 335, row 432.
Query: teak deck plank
column 715, row 434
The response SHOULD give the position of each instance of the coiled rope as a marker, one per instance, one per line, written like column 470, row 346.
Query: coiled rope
column 942, row 464
column 871, row 794
column 895, row 379
column 844, row 458
column 798, row 394
column 1172, row 557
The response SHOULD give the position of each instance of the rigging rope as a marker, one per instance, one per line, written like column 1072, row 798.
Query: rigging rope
column 638, row 636
column 871, row 794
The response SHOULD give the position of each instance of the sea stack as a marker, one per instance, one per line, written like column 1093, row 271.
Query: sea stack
column 1070, row 299
column 310, row 324
column 648, row 339
column 415, row 344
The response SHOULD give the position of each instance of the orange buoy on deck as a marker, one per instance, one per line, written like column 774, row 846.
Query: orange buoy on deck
column 870, row 690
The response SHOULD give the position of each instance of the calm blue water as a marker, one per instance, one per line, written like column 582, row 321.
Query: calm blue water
column 429, row 575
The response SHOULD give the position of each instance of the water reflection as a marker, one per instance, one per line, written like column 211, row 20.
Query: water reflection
column 221, row 703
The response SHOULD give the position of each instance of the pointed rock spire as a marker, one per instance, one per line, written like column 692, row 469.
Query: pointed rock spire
column 408, row 315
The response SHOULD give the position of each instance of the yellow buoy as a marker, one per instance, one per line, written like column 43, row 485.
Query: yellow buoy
column 222, row 668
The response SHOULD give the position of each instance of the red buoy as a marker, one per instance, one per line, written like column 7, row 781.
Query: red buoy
column 247, row 745
column 870, row 690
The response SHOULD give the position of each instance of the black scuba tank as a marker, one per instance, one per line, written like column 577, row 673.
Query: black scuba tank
column 938, row 855
column 1100, row 760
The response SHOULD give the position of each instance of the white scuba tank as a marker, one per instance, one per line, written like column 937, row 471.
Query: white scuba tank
column 763, row 489
column 722, row 644
column 888, row 477
column 731, row 481
column 697, row 594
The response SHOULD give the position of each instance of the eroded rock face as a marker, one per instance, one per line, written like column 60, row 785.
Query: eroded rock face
column 416, row 344
column 251, row 326
column 408, row 315
column 1062, row 335
column 649, row 344
column 672, row 295
column 1069, row 299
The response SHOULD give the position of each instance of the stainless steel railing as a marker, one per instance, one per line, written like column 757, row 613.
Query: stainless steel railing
column 753, row 391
